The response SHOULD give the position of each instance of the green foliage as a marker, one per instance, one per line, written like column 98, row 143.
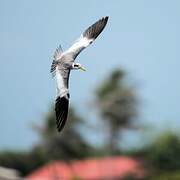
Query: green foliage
column 67, row 145
column 118, row 106
column 166, row 176
column 23, row 161
column 164, row 152
column 161, row 157
column 111, row 84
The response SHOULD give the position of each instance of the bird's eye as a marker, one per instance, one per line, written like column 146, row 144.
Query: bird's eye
column 75, row 65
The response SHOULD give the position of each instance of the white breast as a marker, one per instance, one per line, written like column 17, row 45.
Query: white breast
column 61, row 89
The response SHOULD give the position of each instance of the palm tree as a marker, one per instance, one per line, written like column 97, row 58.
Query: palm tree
column 118, row 106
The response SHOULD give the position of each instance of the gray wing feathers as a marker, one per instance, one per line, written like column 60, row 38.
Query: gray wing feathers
column 53, row 68
column 57, row 55
column 93, row 31
column 89, row 35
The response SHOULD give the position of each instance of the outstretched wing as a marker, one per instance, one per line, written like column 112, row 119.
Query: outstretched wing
column 61, row 109
column 89, row 35
column 62, row 99
column 62, row 72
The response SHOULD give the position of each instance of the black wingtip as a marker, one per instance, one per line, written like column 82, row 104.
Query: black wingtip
column 61, row 109
column 106, row 18
column 94, row 30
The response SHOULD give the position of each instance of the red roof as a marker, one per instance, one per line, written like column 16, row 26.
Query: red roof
column 51, row 171
column 90, row 169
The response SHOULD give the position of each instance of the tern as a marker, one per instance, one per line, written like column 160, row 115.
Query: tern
column 63, row 63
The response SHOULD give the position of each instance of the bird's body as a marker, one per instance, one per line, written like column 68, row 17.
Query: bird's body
column 63, row 63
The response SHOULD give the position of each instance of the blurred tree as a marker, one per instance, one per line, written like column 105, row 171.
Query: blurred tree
column 24, row 162
column 162, row 157
column 117, row 104
column 164, row 153
column 67, row 144
column 166, row 176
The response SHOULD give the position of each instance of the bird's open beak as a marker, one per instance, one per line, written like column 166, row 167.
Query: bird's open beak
column 82, row 68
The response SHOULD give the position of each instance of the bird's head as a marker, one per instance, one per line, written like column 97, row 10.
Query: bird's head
column 78, row 66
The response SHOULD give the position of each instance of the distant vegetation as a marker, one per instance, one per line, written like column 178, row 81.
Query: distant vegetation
column 117, row 103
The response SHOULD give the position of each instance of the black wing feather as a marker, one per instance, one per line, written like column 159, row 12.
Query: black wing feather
column 93, row 31
column 61, row 109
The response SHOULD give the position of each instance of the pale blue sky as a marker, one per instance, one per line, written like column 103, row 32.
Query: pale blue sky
column 141, row 36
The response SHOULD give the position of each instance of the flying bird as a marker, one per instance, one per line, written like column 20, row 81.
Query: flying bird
column 63, row 63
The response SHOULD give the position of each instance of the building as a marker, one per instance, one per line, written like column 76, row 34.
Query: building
column 8, row 174
column 109, row 168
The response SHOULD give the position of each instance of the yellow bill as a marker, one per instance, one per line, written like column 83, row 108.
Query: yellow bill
column 82, row 68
